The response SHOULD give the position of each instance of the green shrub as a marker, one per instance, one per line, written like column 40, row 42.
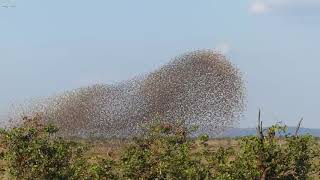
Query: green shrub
column 267, row 156
column 34, row 151
column 164, row 153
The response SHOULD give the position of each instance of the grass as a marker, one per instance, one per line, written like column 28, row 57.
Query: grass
column 112, row 147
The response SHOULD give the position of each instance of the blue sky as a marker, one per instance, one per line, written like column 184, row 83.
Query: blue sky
column 51, row 46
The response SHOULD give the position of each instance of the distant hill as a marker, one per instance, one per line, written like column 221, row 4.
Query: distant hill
column 236, row 132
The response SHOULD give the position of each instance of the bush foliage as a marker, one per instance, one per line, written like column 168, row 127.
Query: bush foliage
column 35, row 151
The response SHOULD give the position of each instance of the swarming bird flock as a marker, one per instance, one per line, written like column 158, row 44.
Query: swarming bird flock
column 200, row 88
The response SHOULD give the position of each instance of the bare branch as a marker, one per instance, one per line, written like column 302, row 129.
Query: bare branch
column 298, row 127
column 260, row 127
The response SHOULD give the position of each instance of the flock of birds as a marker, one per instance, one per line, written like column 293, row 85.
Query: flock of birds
column 200, row 88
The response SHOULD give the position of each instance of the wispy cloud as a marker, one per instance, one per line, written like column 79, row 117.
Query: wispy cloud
column 289, row 7
column 223, row 48
column 259, row 7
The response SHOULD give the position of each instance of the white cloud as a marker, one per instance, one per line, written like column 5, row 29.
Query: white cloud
column 300, row 7
column 259, row 7
column 223, row 48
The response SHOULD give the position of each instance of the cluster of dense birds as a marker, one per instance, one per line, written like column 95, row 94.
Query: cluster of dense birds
column 200, row 88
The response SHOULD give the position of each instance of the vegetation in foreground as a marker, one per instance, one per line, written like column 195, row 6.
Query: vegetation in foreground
column 35, row 151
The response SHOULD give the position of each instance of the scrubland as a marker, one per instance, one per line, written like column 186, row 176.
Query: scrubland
column 35, row 150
